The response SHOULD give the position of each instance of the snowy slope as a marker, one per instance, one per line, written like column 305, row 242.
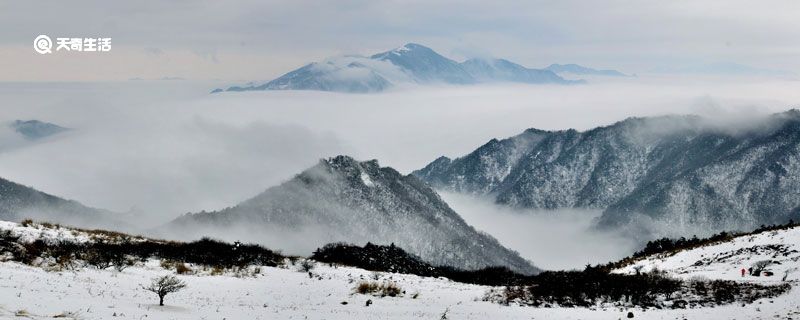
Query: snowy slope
column 725, row 260
column 286, row 293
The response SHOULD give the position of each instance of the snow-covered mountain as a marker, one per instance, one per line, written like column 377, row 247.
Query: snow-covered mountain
column 35, row 129
column 411, row 63
column 583, row 71
column 671, row 175
column 18, row 202
column 341, row 199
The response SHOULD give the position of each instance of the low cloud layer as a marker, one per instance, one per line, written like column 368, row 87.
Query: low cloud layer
column 551, row 239
column 168, row 147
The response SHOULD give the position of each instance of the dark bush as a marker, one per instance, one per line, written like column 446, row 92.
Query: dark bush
column 394, row 259
column 374, row 257
column 123, row 252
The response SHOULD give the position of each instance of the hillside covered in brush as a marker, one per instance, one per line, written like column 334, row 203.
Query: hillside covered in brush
column 344, row 200
column 668, row 175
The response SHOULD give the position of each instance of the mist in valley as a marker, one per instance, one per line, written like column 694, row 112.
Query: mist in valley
column 561, row 239
column 153, row 150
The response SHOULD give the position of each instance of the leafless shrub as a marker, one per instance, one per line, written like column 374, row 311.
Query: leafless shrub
column 165, row 285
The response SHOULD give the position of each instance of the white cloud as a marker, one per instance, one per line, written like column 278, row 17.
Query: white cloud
column 168, row 147
column 554, row 240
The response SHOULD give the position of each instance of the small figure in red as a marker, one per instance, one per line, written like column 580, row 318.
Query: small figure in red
column 743, row 271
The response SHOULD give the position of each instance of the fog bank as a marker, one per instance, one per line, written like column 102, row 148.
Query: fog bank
column 168, row 147
column 551, row 239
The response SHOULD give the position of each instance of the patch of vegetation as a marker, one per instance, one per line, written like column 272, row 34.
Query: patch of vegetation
column 122, row 252
column 394, row 259
column 382, row 289
column 306, row 265
column 374, row 257
column 593, row 285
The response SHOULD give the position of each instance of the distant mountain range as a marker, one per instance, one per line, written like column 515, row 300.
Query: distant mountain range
column 35, row 129
column 674, row 175
column 343, row 200
column 583, row 71
column 18, row 202
column 411, row 63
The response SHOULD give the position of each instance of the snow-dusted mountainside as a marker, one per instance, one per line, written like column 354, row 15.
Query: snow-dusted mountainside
column 35, row 129
column 411, row 63
column 341, row 199
column 581, row 70
column 492, row 70
column 332, row 75
column 19, row 202
column 425, row 65
column 672, row 175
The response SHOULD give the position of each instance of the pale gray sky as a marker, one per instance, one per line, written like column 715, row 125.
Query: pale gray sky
column 258, row 40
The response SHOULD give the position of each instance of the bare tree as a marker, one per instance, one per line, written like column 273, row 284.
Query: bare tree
column 759, row 267
column 164, row 285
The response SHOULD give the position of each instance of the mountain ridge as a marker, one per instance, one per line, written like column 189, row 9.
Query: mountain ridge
column 583, row 70
column 344, row 200
column 19, row 202
column 410, row 63
column 35, row 129
column 662, row 174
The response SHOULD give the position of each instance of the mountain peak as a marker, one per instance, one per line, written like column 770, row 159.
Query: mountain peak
column 342, row 162
column 342, row 199
column 410, row 63
column 35, row 129
column 408, row 49
column 412, row 47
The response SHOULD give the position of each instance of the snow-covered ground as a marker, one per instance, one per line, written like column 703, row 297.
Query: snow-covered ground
column 287, row 293
column 726, row 260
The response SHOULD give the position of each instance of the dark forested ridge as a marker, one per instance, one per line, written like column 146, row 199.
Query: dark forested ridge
column 677, row 174
column 359, row 202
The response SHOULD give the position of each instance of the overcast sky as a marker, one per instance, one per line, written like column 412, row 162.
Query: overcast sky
column 258, row 40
